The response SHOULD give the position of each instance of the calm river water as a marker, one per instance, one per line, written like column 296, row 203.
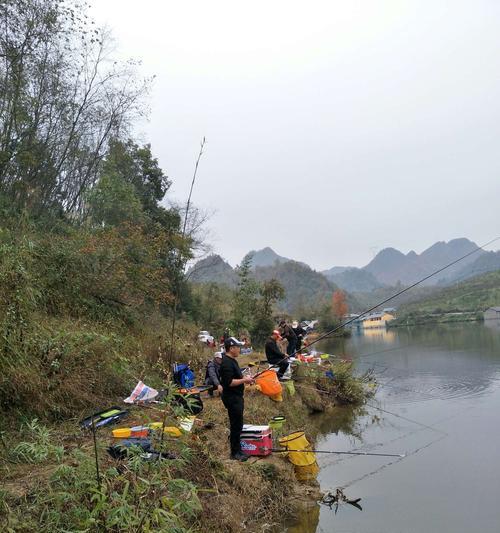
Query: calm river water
column 441, row 385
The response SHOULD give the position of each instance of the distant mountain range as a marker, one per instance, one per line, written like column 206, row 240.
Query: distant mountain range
column 305, row 289
column 390, row 267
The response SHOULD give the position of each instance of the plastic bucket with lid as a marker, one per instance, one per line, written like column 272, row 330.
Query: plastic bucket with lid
column 274, row 425
column 269, row 383
column 277, row 422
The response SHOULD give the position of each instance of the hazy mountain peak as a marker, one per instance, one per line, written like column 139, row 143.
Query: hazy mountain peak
column 213, row 269
column 266, row 257
column 391, row 266
column 336, row 270
column 455, row 246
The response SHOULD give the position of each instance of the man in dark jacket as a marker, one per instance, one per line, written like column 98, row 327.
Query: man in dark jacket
column 288, row 334
column 274, row 355
column 233, row 388
column 300, row 332
column 212, row 374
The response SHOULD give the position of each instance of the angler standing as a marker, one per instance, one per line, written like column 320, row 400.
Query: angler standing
column 300, row 333
column 233, row 388
column 288, row 333
column 212, row 374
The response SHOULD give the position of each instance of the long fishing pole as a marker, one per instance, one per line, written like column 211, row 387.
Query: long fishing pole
column 340, row 453
column 181, row 264
column 369, row 310
column 178, row 276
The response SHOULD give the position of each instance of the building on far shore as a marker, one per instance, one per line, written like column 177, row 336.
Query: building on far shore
column 376, row 320
column 492, row 313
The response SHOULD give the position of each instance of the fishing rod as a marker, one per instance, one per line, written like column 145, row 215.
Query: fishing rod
column 340, row 453
column 369, row 310
column 425, row 426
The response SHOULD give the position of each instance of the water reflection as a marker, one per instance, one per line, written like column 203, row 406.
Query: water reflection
column 440, row 395
column 381, row 334
column 307, row 520
column 493, row 324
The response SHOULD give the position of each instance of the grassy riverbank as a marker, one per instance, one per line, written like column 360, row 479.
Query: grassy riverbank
column 49, row 480
column 84, row 315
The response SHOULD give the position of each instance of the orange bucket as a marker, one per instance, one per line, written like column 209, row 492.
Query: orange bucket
column 269, row 383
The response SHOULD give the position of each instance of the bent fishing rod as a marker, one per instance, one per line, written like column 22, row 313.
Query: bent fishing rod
column 402, row 291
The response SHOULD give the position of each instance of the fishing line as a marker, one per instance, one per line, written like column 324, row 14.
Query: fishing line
column 396, row 439
column 401, row 417
column 395, row 349
column 373, row 446
column 379, row 469
column 355, row 360
column 406, row 419
column 379, row 384
column 300, row 385
column 405, row 435
column 425, row 395
column 402, row 291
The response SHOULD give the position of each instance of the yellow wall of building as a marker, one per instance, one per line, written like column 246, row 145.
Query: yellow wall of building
column 386, row 317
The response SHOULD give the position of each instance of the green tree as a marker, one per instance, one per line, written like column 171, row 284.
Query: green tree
column 270, row 292
column 114, row 201
column 61, row 100
column 136, row 166
column 245, row 298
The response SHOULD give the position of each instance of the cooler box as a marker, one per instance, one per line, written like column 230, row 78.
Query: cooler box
column 256, row 440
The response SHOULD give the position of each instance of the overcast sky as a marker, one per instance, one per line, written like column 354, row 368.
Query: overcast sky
column 334, row 129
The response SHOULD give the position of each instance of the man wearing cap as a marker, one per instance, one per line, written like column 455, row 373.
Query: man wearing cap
column 212, row 374
column 233, row 388
column 274, row 355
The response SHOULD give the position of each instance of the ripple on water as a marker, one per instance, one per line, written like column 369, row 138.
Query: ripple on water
column 431, row 387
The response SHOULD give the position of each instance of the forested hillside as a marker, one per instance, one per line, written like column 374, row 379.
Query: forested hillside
column 94, row 293
column 473, row 295
column 89, row 257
